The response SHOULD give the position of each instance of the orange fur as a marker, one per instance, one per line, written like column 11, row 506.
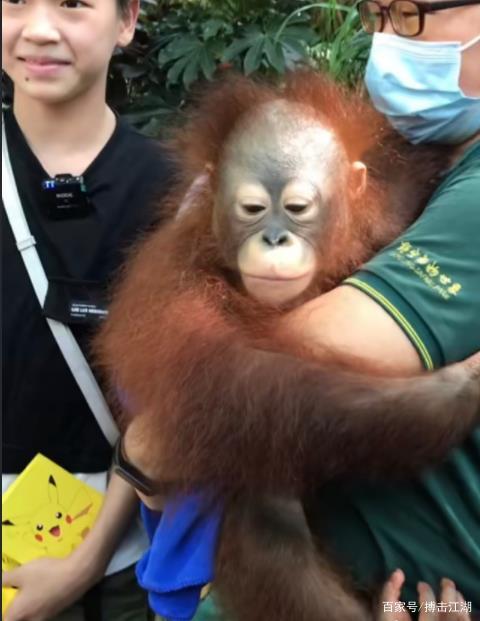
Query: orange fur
column 219, row 396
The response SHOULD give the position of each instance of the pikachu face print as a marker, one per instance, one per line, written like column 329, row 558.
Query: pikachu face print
column 52, row 528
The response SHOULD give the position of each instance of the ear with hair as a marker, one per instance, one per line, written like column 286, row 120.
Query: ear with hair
column 357, row 179
column 128, row 19
column 195, row 189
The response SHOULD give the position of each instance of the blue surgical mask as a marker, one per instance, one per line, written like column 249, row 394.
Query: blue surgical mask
column 416, row 85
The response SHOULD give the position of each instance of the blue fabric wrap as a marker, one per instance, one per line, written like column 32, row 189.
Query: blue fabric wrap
column 181, row 557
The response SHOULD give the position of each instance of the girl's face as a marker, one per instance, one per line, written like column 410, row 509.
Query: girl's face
column 55, row 50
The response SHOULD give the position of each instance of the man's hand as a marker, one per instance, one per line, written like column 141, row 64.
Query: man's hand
column 46, row 586
column 429, row 611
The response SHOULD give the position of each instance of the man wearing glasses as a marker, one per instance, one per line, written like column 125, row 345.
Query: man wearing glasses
column 416, row 306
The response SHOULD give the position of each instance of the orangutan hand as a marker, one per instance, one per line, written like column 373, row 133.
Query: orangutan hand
column 473, row 362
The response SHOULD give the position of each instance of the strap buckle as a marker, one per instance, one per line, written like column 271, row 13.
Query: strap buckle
column 26, row 243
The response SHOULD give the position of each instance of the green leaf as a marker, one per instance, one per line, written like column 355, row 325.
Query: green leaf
column 236, row 49
column 161, row 42
column 292, row 56
column 301, row 33
column 192, row 71
column 252, row 31
column 207, row 64
column 298, row 46
column 253, row 57
column 212, row 27
column 216, row 48
column 275, row 55
column 182, row 46
column 176, row 70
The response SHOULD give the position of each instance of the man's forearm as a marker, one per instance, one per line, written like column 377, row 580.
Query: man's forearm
column 346, row 321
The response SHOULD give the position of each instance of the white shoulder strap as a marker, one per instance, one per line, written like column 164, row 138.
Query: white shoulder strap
column 63, row 335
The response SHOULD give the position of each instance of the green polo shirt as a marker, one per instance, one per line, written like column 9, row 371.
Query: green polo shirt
column 429, row 282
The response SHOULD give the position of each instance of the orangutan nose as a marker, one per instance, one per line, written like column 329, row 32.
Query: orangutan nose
column 275, row 237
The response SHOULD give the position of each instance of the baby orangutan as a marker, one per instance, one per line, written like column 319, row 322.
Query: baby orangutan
column 306, row 182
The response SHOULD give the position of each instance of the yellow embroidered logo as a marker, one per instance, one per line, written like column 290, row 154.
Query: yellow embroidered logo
column 427, row 270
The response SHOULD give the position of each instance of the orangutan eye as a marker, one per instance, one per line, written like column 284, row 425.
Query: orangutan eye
column 253, row 209
column 302, row 211
column 296, row 208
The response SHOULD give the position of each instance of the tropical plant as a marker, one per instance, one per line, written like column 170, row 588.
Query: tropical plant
column 184, row 42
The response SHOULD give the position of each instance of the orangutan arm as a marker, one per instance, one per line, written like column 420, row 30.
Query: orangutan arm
column 250, row 417
column 267, row 548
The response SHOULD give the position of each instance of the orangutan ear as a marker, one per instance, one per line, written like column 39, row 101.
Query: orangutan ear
column 357, row 182
column 198, row 184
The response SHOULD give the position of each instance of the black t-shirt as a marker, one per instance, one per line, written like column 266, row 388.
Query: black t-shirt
column 43, row 408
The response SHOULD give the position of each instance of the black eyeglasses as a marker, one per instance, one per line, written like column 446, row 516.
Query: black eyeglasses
column 406, row 16
column 132, row 475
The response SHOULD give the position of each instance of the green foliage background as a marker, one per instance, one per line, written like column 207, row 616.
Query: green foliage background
column 180, row 43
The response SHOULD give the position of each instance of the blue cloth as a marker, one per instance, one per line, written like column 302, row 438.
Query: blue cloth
column 181, row 557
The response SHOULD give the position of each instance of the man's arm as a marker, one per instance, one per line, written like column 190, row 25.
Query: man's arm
column 49, row 585
column 348, row 321
column 415, row 305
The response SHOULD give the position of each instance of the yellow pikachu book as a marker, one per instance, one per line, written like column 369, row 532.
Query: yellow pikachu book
column 7, row 597
column 46, row 512
column 8, row 593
